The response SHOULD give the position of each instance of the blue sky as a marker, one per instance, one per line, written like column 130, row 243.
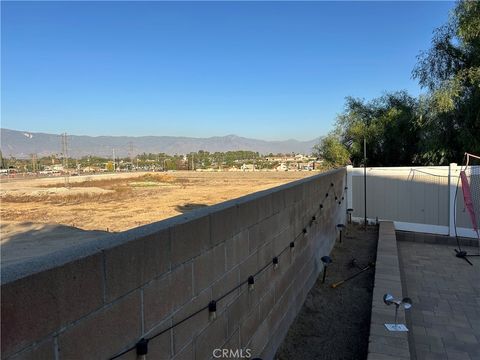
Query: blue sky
column 269, row 70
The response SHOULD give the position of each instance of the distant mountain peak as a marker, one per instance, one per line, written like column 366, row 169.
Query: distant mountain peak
column 23, row 144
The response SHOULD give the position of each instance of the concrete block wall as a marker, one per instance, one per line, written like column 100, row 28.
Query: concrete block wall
column 98, row 300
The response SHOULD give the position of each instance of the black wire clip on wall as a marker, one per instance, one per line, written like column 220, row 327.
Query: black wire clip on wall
column 142, row 345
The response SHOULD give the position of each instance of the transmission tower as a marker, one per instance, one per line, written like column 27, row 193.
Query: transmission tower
column 34, row 162
column 65, row 159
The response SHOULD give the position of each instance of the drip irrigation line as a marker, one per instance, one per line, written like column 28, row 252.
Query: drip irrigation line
column 266, row 266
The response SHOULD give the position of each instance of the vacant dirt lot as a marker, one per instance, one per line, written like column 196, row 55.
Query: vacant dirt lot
column 123, row 201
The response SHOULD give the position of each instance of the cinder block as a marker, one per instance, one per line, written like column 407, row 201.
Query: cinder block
column 249, row 326
column 186, row 353
column 211, row 338
column 164, row 295
column 184, row 332
column 278, row 201
column 233, row 342
column 289, row 194
column 190, row 239
column 263, row 281
column 223, row 224
column 37, row 305
column 104, row 334
column 161, row 346
column 136, row 262
column 266, row 303
column 238, row 310
column 208, row 267
column 248, row 213
column 42, row 351
column 225, row 284
column 249, row 267
column 237, row 249
column 265, row 254
column 260, row 339
column 282, row 240
column 261, row 233
column 265, row 207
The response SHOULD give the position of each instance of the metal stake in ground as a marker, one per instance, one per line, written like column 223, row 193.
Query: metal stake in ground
column 337, row 284
column 340, row 227
column 349, row 212
column 326, row 261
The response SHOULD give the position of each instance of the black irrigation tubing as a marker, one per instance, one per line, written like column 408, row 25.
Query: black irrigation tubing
column 289, row 246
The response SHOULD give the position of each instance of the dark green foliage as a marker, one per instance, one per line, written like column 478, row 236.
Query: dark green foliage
column 434, row 129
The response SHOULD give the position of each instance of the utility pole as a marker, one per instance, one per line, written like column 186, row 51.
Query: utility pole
column 113, row 156
column 34, row 162
column 65, row 159
column 365, row 178
column 65, row 150
column 130, row 151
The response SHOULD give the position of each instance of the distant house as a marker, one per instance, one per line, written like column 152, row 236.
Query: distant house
column 248, row 167
column 282, row 167
column 90, row 169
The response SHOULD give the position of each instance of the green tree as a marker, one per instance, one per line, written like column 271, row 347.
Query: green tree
column 390, row 125
column 450, row 70
column 332, row 151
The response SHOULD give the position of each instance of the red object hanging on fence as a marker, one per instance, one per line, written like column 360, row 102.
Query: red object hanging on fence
column 467, row 198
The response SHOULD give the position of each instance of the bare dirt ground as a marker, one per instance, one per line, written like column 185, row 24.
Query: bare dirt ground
column 118, row 202
column 335, row 323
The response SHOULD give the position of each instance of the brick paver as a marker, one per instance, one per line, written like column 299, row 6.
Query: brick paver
column 444, row 321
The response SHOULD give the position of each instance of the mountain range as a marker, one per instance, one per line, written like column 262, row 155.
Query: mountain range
column 21, row 144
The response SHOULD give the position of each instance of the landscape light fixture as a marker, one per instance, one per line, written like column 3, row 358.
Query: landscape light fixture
column 251, row 283
column 340, row 227
column 349, row 212
column 405, row 302
column 275, row 263
column 326, row 260
column 212, row 310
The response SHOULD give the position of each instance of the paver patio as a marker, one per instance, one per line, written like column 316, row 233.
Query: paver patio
column 444, row 321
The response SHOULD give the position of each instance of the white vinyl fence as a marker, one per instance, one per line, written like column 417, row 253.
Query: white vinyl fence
column 422, row 199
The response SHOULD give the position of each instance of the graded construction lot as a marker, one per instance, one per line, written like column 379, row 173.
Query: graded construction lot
column 117, row 202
